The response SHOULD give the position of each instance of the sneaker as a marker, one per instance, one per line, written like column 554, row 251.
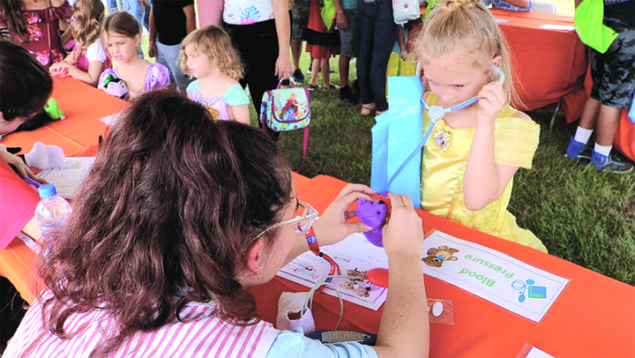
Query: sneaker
column 612, row 163
column 346, row 94
column 298, row 76
column 577, row 150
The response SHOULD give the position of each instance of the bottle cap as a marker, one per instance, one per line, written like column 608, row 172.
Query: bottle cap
column 47, row 190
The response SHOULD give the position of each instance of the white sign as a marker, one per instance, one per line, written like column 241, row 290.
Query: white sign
column 492, row 275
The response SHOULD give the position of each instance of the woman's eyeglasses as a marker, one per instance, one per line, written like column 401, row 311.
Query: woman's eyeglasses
column 305, row 216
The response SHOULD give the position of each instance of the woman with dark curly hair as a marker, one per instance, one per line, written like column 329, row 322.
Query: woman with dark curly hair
column 178, row 216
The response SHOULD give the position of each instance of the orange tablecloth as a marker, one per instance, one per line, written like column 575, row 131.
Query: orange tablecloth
column 594, row 316
column 548, row 64
column 78, row 134
column 83, row 105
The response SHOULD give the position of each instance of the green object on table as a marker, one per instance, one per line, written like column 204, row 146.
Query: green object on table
column 53, row 110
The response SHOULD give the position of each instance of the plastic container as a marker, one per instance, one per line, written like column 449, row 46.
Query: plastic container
column 52, row 211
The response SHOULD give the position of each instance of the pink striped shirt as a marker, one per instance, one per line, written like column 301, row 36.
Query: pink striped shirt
column 201, row 334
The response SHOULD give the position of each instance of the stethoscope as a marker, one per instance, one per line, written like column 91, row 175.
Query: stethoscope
column 436, row 113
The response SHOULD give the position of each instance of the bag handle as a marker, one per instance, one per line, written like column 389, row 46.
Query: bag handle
column 291, row 83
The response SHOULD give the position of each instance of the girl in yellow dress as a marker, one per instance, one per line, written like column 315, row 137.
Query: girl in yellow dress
column 475, row 148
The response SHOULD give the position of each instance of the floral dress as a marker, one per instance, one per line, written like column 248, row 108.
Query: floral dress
column 43, row 38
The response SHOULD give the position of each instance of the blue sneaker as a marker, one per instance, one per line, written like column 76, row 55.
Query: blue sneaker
column 577, row 150
column 611, row 163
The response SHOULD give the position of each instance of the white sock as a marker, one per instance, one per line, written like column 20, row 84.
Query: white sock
column 582, row 135
column 604, row 150
column 44, row 156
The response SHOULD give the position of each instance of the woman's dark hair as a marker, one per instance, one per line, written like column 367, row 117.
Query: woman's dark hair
column 25, row 85
column 165, row 217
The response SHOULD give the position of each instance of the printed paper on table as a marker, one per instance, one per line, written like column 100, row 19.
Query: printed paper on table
column 492, row 275
column 355, row 255
column 69, row 176
column 487, row 273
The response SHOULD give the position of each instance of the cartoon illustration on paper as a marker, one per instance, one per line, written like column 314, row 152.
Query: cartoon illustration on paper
column 436, row 256
column 356, row 283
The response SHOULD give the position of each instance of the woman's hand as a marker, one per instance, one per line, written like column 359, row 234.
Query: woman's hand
column 332, row 226
column 19, row 165
column 284, row 67
column 403, row 234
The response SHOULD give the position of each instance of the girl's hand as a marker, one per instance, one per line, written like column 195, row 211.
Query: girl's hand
column 491, row 100
column 59, row 69
column 19, row 165
column 332, row 226
column 403, row 234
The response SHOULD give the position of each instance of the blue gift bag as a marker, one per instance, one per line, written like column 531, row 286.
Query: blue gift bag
column 398, row 139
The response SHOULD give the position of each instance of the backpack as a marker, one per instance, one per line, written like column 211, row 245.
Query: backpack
column 287, row 109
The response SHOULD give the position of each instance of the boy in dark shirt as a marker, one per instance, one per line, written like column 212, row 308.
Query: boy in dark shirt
column 170, row 21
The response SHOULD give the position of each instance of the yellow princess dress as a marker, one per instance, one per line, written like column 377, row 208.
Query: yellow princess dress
column 443, row 167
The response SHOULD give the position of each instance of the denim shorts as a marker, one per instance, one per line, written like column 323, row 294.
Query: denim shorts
column 350, row 38
column 613, row 72
column 299, row 20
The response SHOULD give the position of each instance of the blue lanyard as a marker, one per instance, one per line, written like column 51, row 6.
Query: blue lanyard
column 435, row 113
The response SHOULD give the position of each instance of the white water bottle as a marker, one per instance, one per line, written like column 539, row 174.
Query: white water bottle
column 52, row 211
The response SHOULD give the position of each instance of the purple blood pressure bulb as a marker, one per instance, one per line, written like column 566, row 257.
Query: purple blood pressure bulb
column 373, row 214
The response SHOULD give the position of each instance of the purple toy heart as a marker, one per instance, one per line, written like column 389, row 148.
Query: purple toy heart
column 373, row 214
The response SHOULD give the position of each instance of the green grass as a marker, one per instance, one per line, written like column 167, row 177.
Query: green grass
column 580, row 215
